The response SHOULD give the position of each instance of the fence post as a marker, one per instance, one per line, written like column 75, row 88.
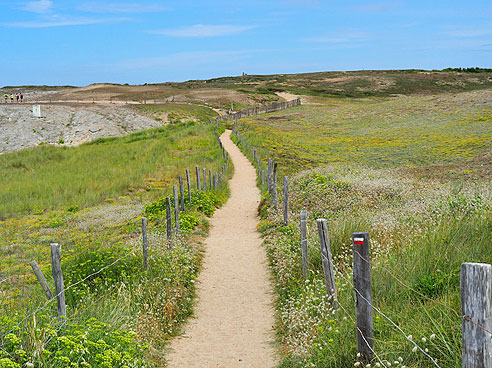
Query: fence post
column 210, row 179
column 188, row 182
column 476, row 296
column 169, row 224
column 58, row 277
column 176, row 209
column 286, row 200
column 269, row 175
column 204, row 179
column 220, row 178
column 198, row 186
column 181, row 193
column 42, row 280
column 304, row 243
column 274, row 187
column 326, row 260
column 363, row 295
column 145, row 244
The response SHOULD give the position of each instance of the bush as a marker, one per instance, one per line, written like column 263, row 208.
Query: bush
column 85, row 264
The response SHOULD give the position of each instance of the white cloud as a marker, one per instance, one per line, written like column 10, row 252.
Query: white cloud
column 119, row 7
column 41, row 6
column 61, row 21
column 200, row 30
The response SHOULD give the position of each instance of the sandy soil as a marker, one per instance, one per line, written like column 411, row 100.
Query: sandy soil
column 73, row 124
column 287, row 96
column 234, row 315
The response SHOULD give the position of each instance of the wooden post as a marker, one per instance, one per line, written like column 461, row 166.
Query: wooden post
column 270, row 175
column 176, row 209
column 210, row 179
column 145, row 244
column 363, row 295
column 326, row 260
column 304, row 243
column 274, row 187
column 204, row 179
column 188, row 182
column 169, row 223
column 215, row 181
column 476, row 299
column 198, row 186
column 42, row 280
column 220, row 178
column 181, row 193
column 58, row 277
column 286, row 200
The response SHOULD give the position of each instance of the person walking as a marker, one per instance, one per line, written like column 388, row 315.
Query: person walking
column 12, row 98
column 6, row 96
column 17, row 97
column 22, row 97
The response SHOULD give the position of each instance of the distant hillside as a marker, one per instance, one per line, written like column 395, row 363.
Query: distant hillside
column 251, row 90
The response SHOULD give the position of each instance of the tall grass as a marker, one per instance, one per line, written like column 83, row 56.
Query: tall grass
column 50, row 177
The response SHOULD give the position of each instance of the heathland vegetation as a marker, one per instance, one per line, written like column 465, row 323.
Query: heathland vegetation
column 412, row 172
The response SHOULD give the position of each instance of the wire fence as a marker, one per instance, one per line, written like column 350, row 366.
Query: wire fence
column 268, row 174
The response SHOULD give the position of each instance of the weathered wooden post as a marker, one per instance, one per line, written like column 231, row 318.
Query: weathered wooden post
column 274, row 187
column 145, row 244
column 198, row 186
column 169, row 223
column 204, row 179
column 286, row 200
column 210, row 179
column 363, row 295
column 58, row 278
column 270, row 175
column 42, row 280
column 176, row 209
column 188, row 182
column 326, row 260
column 220, row 178
column 215, row 181
column 304, row 243
column 476, row 299
column 181, row 193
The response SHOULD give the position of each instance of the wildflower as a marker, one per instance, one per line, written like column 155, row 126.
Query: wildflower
column 432, row 337
column 414, row 349
column 410, row 337
column 356, row 364
column 424, row 339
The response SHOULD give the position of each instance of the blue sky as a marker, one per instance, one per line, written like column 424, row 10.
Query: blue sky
column 82, row 42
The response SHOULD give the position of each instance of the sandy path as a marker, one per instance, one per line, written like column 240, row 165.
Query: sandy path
column 234, row 316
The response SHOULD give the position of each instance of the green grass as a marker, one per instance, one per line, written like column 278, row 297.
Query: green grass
column 180, row 112
column 353, row 163
column 90, row 199
column 51, row 177
column 411, row 131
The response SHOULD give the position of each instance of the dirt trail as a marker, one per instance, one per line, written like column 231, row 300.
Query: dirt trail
column 234, row 315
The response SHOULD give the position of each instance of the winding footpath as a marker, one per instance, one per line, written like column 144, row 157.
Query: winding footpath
column 234, row 314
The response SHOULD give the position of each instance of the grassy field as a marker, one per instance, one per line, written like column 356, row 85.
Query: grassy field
column 91, row 199
column 410, row 172
column 178, row 112
column 142, row 163
column 403, row 132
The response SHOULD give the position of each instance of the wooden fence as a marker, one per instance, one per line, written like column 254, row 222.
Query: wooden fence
column 476, row 280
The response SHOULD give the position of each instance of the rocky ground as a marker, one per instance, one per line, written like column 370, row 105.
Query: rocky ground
column 66, row 124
